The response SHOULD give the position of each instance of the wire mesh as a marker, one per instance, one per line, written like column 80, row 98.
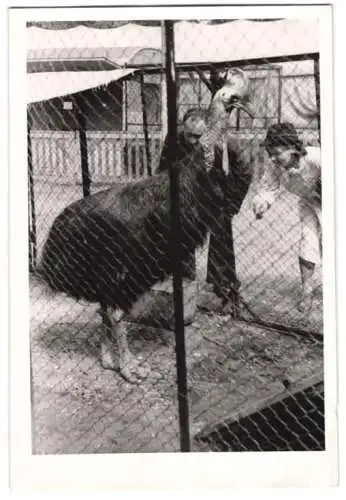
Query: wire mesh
column 247, row 339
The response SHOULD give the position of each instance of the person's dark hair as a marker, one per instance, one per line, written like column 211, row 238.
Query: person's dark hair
column 283, row 134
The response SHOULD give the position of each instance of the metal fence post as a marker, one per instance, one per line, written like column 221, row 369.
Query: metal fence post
column 32, row 214
column 317, row 89
column 176, row 239
column 83, row 148
column 145, row 124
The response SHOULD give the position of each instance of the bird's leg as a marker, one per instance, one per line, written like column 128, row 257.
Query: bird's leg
column 109, row 348
column 130, row 367
column 115, row 351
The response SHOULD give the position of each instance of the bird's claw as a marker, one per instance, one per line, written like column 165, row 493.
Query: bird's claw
column 133, row 370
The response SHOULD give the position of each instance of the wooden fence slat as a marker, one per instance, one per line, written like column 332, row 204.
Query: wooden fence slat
column 118, row 159
column 129, row 158
column 120, row 155
column 139, row 159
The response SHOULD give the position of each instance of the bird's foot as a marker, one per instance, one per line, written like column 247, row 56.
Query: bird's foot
column 109, row 355
column 133, row 369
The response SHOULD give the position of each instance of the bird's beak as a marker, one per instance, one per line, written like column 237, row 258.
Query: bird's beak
column 242, row 106
column 235, row 93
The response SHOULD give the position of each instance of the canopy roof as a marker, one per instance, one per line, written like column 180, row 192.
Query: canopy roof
column 44, row 86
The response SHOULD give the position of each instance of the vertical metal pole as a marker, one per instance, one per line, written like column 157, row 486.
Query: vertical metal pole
column 164, row 111
column 83, row 148
column 32, row 214
column 176, row 239
column 279, row 94
column 125, row 148
column 123, row 108
column 238, row 119
column 267, row 100
column 318, row 98
column 145, row 125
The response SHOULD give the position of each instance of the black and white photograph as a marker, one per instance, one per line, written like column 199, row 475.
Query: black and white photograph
column 176, row 241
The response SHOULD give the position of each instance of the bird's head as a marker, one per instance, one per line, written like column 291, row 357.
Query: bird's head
column 234, row 94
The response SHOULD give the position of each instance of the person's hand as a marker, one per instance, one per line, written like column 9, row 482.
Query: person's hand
column 259, row 206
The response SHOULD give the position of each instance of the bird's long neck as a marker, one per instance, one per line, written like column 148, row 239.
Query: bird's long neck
column 215, row 134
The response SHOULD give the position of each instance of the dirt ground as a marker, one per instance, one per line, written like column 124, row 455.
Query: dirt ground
column 80, row 408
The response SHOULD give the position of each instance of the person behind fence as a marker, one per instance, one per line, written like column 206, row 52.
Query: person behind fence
column 193, row 127
column 298, row 169
column 221, row 266
column 189, row 151
column 236, row 178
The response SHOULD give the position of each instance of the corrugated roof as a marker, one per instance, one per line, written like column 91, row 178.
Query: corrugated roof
column 90, row 58
column 44, row 86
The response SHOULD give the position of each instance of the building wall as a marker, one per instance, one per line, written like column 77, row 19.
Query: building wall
column 102, row 109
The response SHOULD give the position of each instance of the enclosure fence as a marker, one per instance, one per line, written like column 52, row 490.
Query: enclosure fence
column 97, row 120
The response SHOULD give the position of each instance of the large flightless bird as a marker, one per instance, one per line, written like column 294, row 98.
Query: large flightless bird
column 113, row 246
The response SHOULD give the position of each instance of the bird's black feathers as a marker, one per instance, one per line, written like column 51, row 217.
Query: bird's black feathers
column 115, row 245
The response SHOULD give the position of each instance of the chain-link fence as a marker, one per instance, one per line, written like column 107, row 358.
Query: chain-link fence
column 97, row 121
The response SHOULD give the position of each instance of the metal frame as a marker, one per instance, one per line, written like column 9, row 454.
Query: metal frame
column 175, row 243
column 212, row 433
column 145, row 124
column 237, row 63
column 32, row 213
column 83, row 144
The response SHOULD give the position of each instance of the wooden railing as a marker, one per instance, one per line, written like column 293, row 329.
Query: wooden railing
column 119, row 157
column 112, row 156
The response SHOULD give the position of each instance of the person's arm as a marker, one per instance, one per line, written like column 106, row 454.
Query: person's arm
column 268, row 190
